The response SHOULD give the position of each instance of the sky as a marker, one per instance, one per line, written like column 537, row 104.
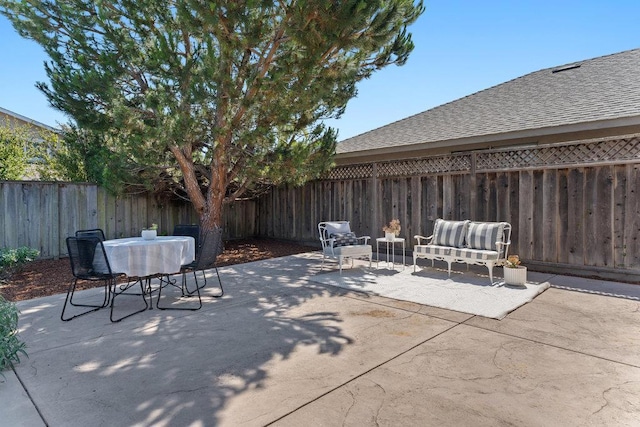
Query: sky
column 461, row 47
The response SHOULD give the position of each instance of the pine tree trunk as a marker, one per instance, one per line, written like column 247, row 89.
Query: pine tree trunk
column 211, row 215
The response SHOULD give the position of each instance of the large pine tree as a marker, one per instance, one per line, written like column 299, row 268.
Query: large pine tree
column 224, row 95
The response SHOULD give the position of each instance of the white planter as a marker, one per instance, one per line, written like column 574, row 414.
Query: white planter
column 149, row 234
column 390, row 236
column 515, row 276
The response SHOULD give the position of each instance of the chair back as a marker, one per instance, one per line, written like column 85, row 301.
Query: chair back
column 327, row 228
column 209, row 249
column 94, row 232
column 82, row 251
column 192, row 230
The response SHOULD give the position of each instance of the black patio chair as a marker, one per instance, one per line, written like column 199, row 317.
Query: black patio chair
column 94, row 232
column 82, row 251
column 192, row 230
column 206, row 255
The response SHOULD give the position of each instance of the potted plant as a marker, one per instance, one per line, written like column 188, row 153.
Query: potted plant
column 150, row 233
column 514, row 273
column 392, row 230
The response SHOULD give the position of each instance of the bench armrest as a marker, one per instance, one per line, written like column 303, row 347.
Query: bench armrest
column 504, row 251
column 364, row 238
column 327, row 243
column 421, row 238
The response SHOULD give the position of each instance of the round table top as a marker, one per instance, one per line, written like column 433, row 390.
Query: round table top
column 395, row 239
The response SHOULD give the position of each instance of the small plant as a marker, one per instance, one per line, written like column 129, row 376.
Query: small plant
column 393, row 227
column 153, row 226
column 513, row 261
column 11, row 347
column 12, row 259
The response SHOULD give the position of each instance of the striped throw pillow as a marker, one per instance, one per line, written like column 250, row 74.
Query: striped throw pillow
column 483, row 235
column 449, row 233
column 344, row 239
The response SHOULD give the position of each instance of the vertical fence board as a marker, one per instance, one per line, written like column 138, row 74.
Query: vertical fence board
column 416, row 210
column 431, row 199
column 631, row 243
column 577, row 217
column 563, row 217
column 482, row 199
column 537, row 223
column 549, row 220
column 619, row 213
column 502, row 197
column 492, row 198
column 514, row 210
column 447, row 197
column 604, row 213
column 591, row 255
column 525, row 219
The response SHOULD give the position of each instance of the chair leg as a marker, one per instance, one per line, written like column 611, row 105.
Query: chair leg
column 69, row 300
column 184, row 293
column 124, row 292
column 195, row 278
column 490, row 268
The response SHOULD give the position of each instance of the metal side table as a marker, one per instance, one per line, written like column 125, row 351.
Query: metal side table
column 393, row 254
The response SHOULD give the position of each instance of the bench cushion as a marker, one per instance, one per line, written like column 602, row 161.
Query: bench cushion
column 344, row 239
column 484, row 235
column 449, row 233
column 352, row 250
column 474, row 254
column 432, row 250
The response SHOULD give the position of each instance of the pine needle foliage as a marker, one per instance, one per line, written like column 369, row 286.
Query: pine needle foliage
column 219, row 97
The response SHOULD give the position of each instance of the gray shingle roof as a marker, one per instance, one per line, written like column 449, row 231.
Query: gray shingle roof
column 607, row 87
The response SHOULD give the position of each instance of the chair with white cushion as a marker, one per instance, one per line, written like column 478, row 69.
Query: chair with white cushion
column 338, row 241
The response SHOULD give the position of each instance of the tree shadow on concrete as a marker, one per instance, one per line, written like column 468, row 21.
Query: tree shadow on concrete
column 246, row 358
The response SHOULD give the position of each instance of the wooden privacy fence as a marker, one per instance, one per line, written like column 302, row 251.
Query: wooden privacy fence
column 42, row 214
column 573, row 206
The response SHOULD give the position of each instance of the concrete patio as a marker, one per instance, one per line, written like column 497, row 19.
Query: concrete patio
column 280, row 350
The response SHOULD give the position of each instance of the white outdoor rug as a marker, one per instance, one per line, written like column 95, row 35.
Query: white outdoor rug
column 466, row 292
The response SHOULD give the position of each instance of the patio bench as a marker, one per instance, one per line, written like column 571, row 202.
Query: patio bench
column 467, row 242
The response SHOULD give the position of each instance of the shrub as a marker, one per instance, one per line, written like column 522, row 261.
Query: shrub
column 11, row 347
column 12, row 259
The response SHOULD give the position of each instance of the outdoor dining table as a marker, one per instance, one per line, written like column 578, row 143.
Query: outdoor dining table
column 144, row 259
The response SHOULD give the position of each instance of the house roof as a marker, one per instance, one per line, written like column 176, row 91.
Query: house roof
column 16, row 116
column 584, row 95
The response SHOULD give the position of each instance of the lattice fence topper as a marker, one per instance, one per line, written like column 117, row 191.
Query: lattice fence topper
column 588, row 152
column 351, row 172
column 624, row 149
column 440, row 164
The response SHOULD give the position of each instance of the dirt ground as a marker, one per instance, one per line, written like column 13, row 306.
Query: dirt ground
column 48, row 277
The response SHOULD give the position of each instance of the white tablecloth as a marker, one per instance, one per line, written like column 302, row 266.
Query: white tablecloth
column 137, row 257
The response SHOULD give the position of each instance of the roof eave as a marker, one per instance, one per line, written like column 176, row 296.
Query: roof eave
column 28, row 120
column 499, row 137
